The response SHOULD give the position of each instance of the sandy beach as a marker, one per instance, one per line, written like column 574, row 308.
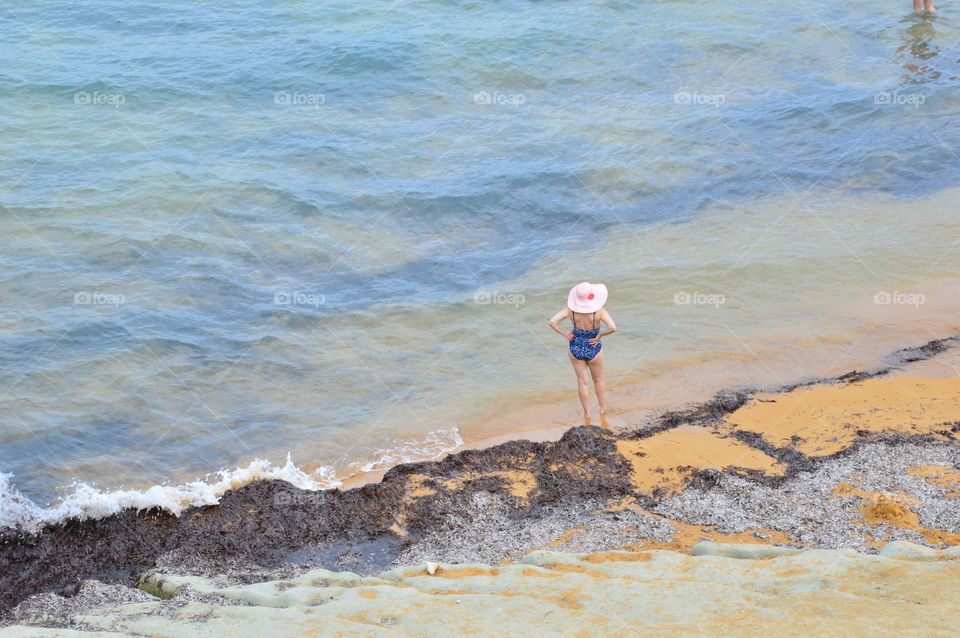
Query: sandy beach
column 309, row 312
column 847, row 482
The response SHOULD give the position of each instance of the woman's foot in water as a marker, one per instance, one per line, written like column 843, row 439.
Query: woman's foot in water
column 586, row 418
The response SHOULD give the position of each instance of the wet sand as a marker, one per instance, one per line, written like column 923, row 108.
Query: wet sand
column 689, row 384
column 641, row 391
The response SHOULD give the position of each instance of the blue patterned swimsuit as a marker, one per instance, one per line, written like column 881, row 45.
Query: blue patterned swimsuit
column 580, row 344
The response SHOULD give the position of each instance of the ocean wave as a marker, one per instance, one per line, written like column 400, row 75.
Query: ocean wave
column 87, row 502
column 436, row 443
column 17, row 512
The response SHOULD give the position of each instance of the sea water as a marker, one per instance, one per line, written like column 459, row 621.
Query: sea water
column 305, row 240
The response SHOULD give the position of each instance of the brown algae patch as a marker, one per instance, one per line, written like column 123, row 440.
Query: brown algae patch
column 821, row 420
column 664, row 461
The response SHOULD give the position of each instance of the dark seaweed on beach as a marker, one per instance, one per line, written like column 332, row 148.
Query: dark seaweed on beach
column 269, row 526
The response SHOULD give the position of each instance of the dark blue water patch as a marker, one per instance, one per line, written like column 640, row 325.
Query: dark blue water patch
column 69, row 437
column 294, row 194
column 120, row 443
column 72, row 339
column 148, row 19
column 206, row 339
column 772, row 118
column 66, row 438
column 328, row 55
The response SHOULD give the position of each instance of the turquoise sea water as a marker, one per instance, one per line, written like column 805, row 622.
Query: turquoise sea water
column 234, row 230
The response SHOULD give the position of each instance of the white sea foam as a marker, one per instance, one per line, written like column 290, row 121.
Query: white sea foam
column 88, row 502
column 435, row 444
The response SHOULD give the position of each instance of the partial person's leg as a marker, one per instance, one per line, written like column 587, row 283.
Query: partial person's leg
column 596, row 371
column 583, row 385
column 917, row 6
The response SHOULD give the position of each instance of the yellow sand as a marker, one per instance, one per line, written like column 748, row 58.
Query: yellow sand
column 824, row 419
column 815, row 420
column 667, row 459
column 519, row 483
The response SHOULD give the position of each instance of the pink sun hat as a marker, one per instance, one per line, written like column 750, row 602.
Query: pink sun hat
column 587, row 297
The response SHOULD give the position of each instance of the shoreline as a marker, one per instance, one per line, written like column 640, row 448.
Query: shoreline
column 638, row 395
column 523, row 426
column 535, row 436
column 589, row 490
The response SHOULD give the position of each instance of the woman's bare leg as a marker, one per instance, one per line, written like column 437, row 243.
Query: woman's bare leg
column 583, row 385
column 596, row 371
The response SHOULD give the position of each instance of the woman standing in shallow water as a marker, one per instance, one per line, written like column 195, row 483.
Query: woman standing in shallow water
column 586, row 313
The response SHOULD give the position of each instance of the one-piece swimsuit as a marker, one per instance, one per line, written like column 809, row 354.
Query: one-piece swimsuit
column 580, row 344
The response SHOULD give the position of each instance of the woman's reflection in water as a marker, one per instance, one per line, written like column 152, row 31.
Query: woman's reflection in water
column 918, row 50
